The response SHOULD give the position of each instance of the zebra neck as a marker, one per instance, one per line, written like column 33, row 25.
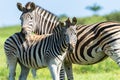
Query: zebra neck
column 63, row 40
column 29, row 38
column 46, row 21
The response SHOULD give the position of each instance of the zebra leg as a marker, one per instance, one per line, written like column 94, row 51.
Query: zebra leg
column 55, row 70
column 68, row 70
column 12, row 62
column 34, row 72
column 62, row 73
column 24, row 72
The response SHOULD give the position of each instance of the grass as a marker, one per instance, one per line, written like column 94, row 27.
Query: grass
column 105, row 70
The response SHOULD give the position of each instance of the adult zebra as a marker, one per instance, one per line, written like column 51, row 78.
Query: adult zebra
column 39, row 51
column 95, row 42
column 33, row 16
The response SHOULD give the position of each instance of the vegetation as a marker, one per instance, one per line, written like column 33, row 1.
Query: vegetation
column 95, row 8
column 105, row 70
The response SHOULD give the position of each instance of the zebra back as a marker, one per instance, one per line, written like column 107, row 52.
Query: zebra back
column 39, row 20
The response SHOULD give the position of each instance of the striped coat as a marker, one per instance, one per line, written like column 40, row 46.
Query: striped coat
column 95, row 43
column 39, row 51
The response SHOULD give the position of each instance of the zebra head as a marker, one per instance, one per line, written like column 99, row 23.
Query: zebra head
column 36, row 19
column 71, row 33
column 27, row 17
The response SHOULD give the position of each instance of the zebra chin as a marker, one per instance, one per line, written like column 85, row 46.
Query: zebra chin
column 71, row 48
column 25, row 33
column 22, row 33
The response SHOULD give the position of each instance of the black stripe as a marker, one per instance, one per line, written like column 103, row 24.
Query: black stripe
column 87, row 26
column 104, row 57
column 92, row 38
column 98, row 42
column 43, row 21
column 34, row 54
column 16, row 43
column 7, row 44
column 29, row 52
column 48, row 24
column 110, row 42
column 39, row 51
column 76, row 48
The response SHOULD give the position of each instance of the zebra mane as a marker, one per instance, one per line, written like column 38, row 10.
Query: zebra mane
column 46, row 17
column 45, row 21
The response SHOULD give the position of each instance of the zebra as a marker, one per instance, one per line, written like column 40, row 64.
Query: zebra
column 41, row 20
column 95, row 43
column 42, row 51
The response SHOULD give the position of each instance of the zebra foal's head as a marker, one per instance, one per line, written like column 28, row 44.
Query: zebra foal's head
column 70, row 32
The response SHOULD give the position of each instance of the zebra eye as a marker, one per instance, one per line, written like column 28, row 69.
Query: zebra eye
column 31, row 18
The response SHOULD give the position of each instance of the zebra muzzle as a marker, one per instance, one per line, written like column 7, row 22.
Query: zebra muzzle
column 24, row 31
column 71, row 48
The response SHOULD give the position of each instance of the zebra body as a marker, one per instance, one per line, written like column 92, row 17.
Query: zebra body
column 42, row 49
column 39, row 51
column 95, row 43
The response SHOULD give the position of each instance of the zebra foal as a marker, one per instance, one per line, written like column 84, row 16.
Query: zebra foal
column 40, row 51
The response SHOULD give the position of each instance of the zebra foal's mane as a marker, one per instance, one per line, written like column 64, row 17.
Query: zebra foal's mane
column 45, row 16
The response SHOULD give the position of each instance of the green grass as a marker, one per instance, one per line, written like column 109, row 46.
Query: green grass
column 105, row 70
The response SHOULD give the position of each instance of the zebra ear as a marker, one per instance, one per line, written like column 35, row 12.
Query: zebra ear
column 27, row 6
column 19, row 6
column 61, row 24
column 68, row 23
column 74, row 20
column 32, row 5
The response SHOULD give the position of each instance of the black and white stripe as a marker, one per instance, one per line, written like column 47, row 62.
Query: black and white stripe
column 37, row 19
column 95, row 43
column 39, row 51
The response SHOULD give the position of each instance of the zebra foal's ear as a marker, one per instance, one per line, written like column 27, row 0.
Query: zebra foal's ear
column 61, row 24
column 19, row 6
column 74, row 20
column 68, row 23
